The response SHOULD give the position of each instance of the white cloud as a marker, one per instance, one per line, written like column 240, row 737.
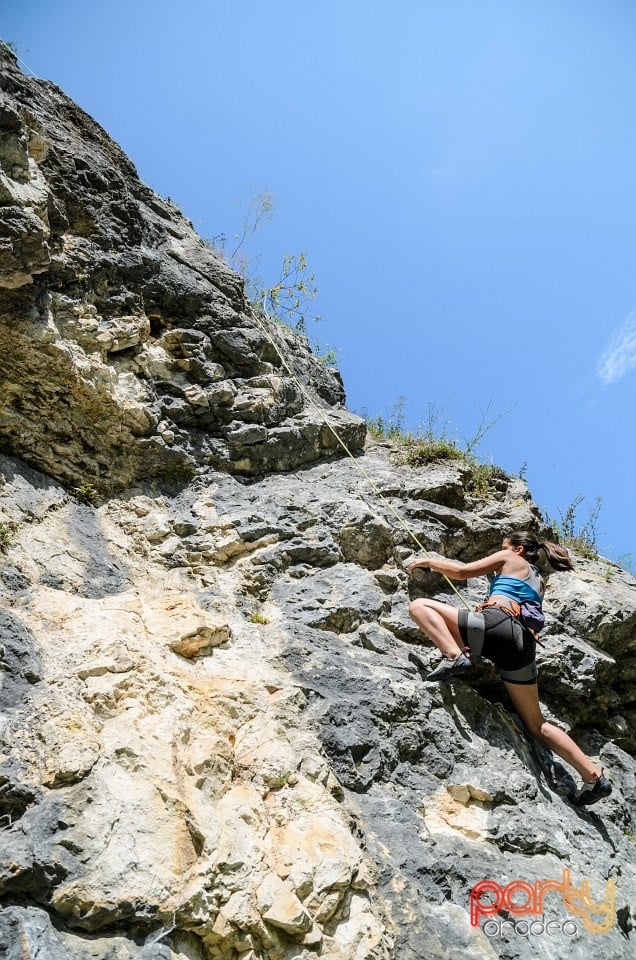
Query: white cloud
column 619, row 356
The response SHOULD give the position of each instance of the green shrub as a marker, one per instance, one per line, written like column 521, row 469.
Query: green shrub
column 484, row 479
column 286, row 300
column 419, row 453
column 580, row 538
column 325, row 354
column 431, row 444
column 86, row 493
column 391, row 426
column 6, row 534
column 258, row 618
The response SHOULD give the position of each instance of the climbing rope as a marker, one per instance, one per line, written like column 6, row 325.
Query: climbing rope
column 19, row 59
column 343, row 444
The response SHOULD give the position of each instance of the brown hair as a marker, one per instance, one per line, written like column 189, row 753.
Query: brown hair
column 558, row 557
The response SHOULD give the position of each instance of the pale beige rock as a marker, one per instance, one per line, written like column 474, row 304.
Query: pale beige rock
column 155, row 527
column 315, row 851
column 111, row 660
column 241, row 825
column 451, row 812
column 279, row 906
column 359, row 935
column 264, row 749
column 73, row 749
column 115, row 870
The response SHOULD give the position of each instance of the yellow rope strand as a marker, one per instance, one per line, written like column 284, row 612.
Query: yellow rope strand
column 344, row 446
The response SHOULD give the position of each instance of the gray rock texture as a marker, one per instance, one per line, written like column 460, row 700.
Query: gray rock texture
column 127, row 348
column 216, row 740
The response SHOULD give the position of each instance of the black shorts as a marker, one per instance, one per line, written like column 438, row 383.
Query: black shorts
column 498, row 636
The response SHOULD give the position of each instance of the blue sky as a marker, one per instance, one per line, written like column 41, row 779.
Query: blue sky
column 460, row 175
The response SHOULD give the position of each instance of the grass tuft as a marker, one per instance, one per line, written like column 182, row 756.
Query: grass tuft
column 430, row 444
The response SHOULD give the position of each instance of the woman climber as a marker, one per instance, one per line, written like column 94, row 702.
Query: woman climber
column 498, row 632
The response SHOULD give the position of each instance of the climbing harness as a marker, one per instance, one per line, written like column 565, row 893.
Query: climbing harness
column 343, row 444
column 513, row 609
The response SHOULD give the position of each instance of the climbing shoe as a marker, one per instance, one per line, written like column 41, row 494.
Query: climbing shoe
column 449, row 670
column 593, row 792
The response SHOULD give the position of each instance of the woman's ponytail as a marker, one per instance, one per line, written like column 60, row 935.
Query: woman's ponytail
column 558, row 557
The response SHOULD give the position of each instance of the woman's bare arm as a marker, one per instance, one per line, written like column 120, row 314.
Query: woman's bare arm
column 463, row 571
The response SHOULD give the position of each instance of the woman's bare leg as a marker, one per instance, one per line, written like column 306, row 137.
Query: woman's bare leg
column 525, row 699
column 439, row 622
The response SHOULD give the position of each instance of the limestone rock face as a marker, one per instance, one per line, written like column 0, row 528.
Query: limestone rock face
column 215, row 743
column 157, row 772
column 127, row 348
column 216, row 740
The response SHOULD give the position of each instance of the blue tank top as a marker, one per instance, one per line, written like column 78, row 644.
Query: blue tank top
column 529, row 589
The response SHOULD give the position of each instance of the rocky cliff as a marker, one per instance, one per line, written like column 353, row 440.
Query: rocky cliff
column 214, row 743
column 128, row 350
